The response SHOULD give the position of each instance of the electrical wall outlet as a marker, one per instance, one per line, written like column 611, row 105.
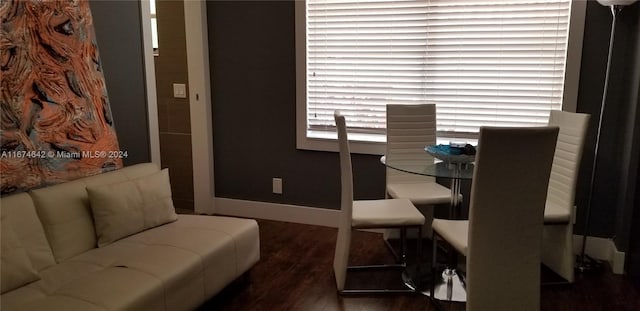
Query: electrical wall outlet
column 277, row 185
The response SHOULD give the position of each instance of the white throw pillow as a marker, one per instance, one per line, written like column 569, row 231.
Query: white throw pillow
column 16, row 268
column 125, row 208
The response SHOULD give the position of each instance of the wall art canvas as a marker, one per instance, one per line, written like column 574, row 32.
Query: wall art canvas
column 56, row 122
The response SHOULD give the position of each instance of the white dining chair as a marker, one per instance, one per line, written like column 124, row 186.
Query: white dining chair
column 557, row 243
column 409, row 129
column 366, row 214
column 502, row 238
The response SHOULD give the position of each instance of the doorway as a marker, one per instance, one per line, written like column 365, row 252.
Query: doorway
column 178, row 99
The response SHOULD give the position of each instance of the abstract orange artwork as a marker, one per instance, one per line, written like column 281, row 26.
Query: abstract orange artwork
column 56, row 122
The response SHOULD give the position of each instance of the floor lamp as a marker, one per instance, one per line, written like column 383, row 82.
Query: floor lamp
column 615, row 6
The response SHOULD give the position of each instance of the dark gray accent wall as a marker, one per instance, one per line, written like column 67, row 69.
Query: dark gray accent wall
column 613, row 187
column 119, row 36
column 631, row 133
column 633, row 258
column 252, row 58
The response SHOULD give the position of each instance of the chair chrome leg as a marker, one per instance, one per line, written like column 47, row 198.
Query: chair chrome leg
column 403, row 246
column 449, row 284
column 434, row 238
column 434, row 260
column 419, row 258
column 402, row 264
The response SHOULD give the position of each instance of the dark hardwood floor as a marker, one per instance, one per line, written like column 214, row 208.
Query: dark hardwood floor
column 295, row 272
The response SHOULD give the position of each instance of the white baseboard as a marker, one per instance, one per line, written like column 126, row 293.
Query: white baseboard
column 276, row 211
column 617, row 260
column 602, row 249
column 598, row 248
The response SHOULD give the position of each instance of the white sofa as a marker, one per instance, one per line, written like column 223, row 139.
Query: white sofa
column 174, row 266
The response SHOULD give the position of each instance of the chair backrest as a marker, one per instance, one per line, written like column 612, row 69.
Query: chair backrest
column 566, row 160
column 506, row 210
column 341, row 255
column 409, row 129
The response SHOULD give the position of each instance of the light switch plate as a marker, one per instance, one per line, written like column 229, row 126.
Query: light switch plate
column 179, row 90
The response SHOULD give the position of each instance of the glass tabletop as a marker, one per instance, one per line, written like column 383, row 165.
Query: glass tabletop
column 436, row 169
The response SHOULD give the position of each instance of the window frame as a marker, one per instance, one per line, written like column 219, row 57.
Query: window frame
column 375, row 144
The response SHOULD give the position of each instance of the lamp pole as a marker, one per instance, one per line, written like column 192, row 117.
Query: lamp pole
column 615, row 6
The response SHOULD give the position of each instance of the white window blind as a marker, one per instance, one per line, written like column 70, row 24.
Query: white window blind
column 495, row 63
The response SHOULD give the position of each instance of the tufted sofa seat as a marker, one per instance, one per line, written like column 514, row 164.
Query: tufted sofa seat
column 174, row 266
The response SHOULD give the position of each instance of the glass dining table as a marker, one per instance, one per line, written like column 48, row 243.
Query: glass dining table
column 450, row 285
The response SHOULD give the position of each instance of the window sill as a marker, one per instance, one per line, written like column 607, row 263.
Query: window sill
column 358, row 143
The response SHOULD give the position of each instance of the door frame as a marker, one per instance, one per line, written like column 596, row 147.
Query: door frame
column 199, row 100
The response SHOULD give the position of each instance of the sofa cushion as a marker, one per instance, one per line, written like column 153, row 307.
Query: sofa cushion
column 16, row 266
column 175, row 266
column 20, row 296
column 181, row 273
column 124, row 208
column 55, row 277
column 228, row 246
column 52, row 278
column 106, row 256
column 244, row 233
column 58, row 303
column 156, row 194
column 117, row 211
column 66, row 218
column 85, row 282
column 65, row 212
column 117, row 288
column 24, row 221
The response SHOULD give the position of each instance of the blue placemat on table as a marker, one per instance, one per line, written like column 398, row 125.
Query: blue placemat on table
column 448, row 153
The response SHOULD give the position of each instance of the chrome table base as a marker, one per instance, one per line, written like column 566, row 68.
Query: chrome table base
column 450, row 286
